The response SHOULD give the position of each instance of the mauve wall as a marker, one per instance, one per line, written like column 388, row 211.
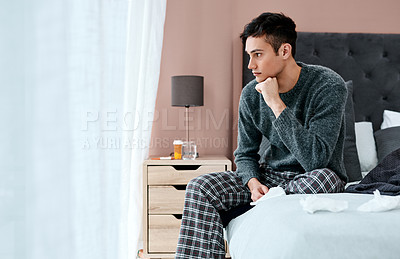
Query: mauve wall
column 201, row 37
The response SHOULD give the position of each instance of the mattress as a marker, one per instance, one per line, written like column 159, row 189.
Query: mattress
column 280, row 228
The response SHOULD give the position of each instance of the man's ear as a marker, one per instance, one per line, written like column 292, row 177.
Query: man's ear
column 286, row 50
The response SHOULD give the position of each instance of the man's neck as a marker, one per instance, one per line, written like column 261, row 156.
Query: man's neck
column 288, row 78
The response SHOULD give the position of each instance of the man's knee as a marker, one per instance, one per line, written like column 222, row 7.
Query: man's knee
column 202, row 182
column 326, row 175
column 317, row 181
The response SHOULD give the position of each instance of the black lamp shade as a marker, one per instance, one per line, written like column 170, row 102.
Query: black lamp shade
column 187, row 91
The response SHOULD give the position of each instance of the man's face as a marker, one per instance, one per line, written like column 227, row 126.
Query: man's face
column 264, row 62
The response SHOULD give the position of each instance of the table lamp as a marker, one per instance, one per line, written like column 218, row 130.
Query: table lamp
column 187, row 91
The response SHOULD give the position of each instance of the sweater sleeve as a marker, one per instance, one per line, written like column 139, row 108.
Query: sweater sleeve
column 313, row 143
column 249, row 139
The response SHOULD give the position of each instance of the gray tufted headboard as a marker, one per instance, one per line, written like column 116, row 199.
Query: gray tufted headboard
column 372, row 61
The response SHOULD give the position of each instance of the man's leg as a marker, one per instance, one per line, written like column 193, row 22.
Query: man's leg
column 201, row 233
column 317, row 181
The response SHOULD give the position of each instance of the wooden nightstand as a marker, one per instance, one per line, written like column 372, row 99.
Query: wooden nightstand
column 164, row 192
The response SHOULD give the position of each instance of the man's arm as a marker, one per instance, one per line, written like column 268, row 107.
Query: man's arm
column 313, row 144
column 249, row 139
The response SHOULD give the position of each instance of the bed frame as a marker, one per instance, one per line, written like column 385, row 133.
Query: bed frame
column 372, row 61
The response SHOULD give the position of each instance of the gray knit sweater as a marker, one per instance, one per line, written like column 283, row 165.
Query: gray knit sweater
column 307, row 135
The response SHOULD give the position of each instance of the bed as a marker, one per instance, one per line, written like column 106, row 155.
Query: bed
column 279, row 227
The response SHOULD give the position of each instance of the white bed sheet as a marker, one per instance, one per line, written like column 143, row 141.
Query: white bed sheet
column 280, row 228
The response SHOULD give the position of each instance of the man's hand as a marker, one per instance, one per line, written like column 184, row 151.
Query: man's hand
column 269, row 89
column 257, row 189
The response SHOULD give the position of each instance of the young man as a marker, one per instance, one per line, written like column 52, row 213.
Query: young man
column 299, row 108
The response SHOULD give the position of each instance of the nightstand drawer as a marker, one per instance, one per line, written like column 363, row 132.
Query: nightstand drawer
column 166, row 200
column 163, row 233
column 179, row 174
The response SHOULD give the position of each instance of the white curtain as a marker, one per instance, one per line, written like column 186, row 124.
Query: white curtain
column 78, row 87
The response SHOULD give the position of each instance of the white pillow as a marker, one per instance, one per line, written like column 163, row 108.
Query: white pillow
column 390, row 119
column 366, row 148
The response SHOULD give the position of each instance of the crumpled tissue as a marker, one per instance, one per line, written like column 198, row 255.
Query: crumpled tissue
column 273, row 192
column 380, row 203
column 313, row 203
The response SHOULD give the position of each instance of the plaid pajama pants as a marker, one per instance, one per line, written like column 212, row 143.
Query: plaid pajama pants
column 201, row 233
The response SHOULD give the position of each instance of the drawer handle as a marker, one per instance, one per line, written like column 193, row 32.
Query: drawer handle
column 177, row 216
column 186, row 167
column 179, row 187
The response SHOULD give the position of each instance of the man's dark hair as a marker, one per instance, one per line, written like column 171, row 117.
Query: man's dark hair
column 276, row 27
